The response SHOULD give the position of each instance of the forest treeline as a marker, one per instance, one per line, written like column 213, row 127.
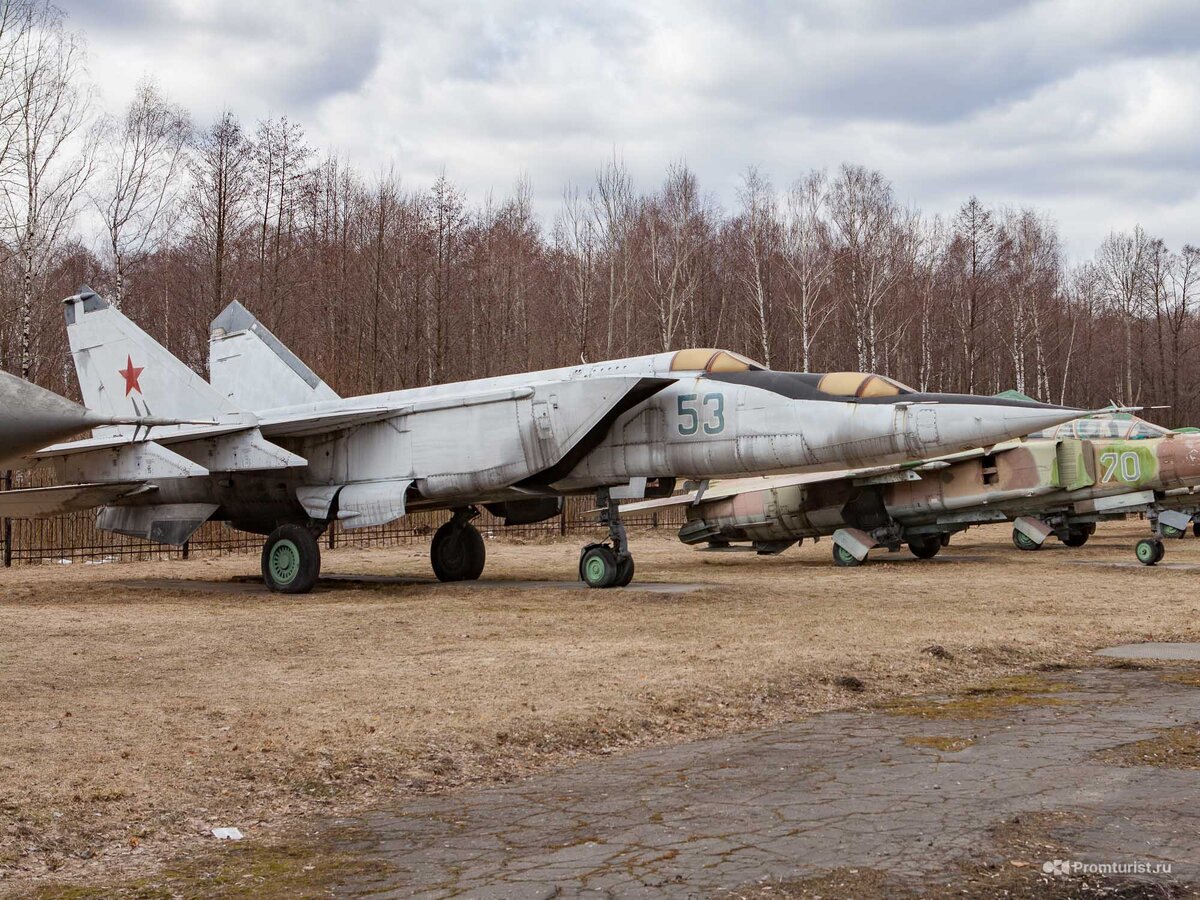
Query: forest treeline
column 379, row 284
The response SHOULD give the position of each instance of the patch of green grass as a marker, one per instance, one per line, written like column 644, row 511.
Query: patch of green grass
column 982, row 701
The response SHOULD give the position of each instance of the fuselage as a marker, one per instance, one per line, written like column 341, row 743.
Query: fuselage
column 1080, row 479
column 693, row 414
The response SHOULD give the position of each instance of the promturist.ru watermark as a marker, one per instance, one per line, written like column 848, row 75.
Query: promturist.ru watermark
column 1075, row 867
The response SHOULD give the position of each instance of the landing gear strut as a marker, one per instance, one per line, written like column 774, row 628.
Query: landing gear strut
column 291, row 560
column 608, row 564
column 457, row 552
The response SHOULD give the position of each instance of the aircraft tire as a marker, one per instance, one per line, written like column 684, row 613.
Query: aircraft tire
column 1149, row 551
column 624, row 572
column 1023, row 542
column 457, row 552
column 843, row 557
column 1076, row 537
column 1169, row 532
column 925, row 546
column 1196, row 529
column 599, row 567
column 291, row 560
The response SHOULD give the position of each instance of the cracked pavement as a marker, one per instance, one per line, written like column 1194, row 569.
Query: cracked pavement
column 837, row 790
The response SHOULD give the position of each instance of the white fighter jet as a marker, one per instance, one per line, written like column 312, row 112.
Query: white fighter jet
column 280, row 454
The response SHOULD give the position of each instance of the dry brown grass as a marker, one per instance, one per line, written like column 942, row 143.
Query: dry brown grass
column 136, row 718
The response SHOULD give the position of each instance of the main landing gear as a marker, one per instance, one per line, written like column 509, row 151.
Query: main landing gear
column 607, row 565
column 925, row 546
column 1163, row 524
column 291, row 559
column 457, row 552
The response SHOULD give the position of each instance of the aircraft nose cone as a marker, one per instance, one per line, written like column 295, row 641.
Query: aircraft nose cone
column 32, row 417
column 971, row 422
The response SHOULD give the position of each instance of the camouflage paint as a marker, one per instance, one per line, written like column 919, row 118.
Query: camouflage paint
column 1035, row 477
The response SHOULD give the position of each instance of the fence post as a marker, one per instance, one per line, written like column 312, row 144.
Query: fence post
column 186, row 547
column 332, row 541
column 8, row 529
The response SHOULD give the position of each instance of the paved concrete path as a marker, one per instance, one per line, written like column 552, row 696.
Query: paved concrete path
column 1154, row 650
column 837, row 790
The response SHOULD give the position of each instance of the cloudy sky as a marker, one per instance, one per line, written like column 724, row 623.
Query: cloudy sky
column 1088, row 109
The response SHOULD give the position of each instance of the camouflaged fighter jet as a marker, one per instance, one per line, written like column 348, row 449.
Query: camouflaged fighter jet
column 1061, row 481
column 282, row 455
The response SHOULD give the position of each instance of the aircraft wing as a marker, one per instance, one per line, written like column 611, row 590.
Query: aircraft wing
column 718, row 490
column 34, row 503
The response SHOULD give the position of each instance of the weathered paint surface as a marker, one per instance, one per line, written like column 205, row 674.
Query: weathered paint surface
column 689, row 414
column 1036, row 477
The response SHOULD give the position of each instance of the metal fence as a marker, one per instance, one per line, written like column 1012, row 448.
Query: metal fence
column 75, row 536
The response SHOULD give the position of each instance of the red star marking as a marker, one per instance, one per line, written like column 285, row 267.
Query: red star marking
column 131, row 373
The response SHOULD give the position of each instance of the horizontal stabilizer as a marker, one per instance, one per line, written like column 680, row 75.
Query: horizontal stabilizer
column 242, row 451
column 144, row 461
column 253, row 368
column 37, row 503
column 167, row 523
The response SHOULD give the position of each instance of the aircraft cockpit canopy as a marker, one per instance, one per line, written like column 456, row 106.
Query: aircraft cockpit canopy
column 1119, row 426
column 861, row 384
column 708, row 359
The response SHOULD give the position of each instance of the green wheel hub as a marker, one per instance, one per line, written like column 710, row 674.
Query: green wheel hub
column 1169, row 532
column 1024, row 541
column 1147, row 553
column 595, row 569
column 284, row 562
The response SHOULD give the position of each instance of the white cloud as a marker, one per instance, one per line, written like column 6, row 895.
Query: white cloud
column 1086, row 108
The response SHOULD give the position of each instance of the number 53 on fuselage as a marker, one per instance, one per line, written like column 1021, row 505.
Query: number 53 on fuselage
column 284, row 456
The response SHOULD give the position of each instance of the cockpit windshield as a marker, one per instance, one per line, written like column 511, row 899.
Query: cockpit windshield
column 1119, row 426
column 861, row 384
column 708, row 359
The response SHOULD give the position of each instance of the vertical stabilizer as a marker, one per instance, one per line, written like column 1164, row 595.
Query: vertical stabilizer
column 252, row 367
column 124, row 372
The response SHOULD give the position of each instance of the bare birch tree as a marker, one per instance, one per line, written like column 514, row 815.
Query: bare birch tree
column 866, row 220
column 808, row 254
column 575, row 238
column 758, row 234
column 614, row 214
column 1121, row 265
column 137, row 178
column 218, row 201
column 50, row 154
column 675, row 229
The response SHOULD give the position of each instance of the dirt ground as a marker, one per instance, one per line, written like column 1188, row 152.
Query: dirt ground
column 140, row 709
